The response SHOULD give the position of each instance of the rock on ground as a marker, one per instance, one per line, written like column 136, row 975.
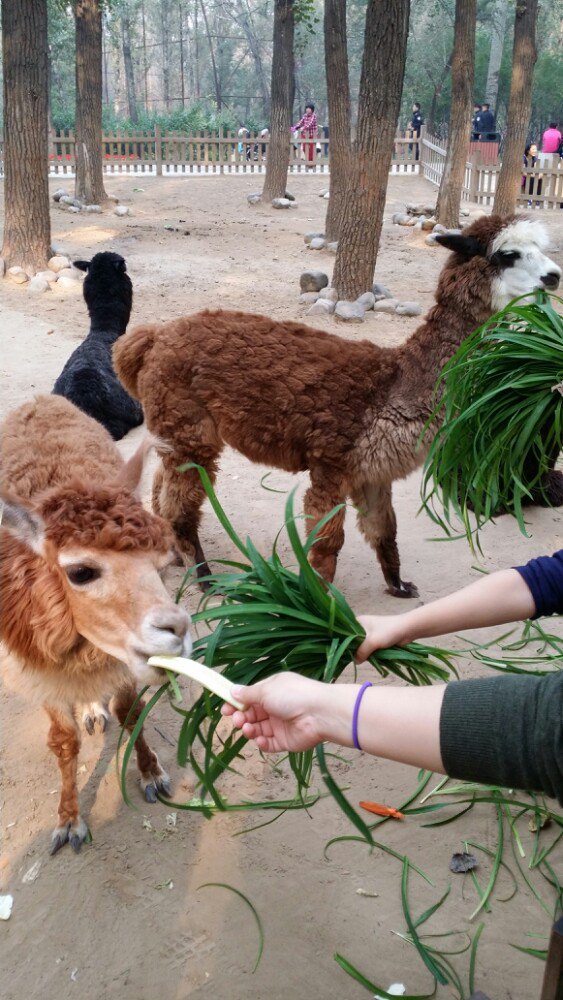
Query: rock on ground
column 367, row 300
column 317, row 244
column 17, row 275
column 281, row 203
column 47, row 275
column 313, row 236
column 121, row 210
column 313, row 281
column 66, row 282
column 307, row 298
column 381, row 291
column 58, row 262
column 254, row 198
column 386, row 305
column 333, row 247
column 59, row 193
column 408, row 309
column 72, row 272
column 349, row 312
column 38, row 284
column 322, row 307
column 94, row 209
column 328, row 293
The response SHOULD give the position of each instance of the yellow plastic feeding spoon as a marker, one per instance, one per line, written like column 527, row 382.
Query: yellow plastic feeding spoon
column 198, row 672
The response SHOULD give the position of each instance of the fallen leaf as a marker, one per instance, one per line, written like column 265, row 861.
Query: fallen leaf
column 463, row 862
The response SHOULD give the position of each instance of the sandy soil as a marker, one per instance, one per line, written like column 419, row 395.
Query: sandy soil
column 103, row 923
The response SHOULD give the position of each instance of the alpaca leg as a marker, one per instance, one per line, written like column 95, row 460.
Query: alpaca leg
column 322, row 495
column 153, row 777
column 64, row 741
column 378, row 524
column 95, row 713
column 178, row 497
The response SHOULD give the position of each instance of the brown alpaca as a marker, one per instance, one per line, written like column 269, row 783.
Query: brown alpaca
column 83, row 604
column 298, row 398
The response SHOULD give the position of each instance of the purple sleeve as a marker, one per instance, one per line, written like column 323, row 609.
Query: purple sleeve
column 544, row 577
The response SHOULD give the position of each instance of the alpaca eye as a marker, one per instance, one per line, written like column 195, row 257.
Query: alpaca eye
column 80, row 575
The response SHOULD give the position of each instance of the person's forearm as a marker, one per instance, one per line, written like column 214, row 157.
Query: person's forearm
column 493, row 600
column 400, row 724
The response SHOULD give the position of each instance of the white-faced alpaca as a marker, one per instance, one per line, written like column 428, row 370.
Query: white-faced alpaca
column 88, row 379
column 83, row 603
column 298, row 398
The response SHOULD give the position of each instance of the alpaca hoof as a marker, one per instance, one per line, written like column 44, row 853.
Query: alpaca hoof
column 403, row 589
column 150, row 793
column 95, row 714
column 73, row 833
column 158, row 782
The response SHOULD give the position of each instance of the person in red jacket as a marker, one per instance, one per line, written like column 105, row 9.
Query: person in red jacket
column 308, row 126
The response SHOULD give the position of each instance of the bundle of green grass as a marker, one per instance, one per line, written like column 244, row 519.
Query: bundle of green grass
column 501, row 418
column 272, row 619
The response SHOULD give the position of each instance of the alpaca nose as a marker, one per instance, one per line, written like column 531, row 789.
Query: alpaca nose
column 551, row 280
column 166, row 631
column 173, row 620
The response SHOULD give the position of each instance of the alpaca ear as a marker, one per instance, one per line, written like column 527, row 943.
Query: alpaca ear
column 465, row 246
column 24, row 524
column 82, row 265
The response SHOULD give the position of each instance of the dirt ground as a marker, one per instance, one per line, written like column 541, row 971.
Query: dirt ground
column 127, row 917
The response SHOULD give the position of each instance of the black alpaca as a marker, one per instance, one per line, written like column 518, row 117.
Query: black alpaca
column 88, row 379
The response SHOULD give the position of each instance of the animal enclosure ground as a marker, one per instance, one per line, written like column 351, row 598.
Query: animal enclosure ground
column 126, row 917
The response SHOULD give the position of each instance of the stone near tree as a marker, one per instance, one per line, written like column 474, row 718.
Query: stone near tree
column 290, row 197
column 428, row 224
column 281, row 203
column 17, row 275
column 313, row 236
column 349, row 312
column 122, row 210
column 317, row 244
column 59, row 194
column 57, row 263
column 94, row 209
column 66, row 282
column 72, row 272
column 408, row 309
column 329, row 293
column 313, row 281
column 367, row 300
column 381, row 291
column 439, row 228
column 113, row 197
column 38, row 284
column 386, row 305
column 254, row 198
column 431, row 239
column 399, row 218
column 332, row 247
column 464, row 211
column 327, row 196
column 322, row 307
column 323, row 192
column 49, row 276
column 307, row 298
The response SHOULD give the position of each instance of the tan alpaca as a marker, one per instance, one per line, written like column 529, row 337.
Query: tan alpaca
column 82, row 602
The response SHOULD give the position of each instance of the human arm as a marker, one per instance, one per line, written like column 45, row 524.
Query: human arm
column 498, row 730
column 493, row 600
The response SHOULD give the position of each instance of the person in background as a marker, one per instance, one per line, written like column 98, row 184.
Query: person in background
column 501, row 730
column 415, row 125
column 476, row 123
column 264, row 134
column 307, row 126
column 530, row 159
column 487, row 125
column 551, row 145
column 243, row 147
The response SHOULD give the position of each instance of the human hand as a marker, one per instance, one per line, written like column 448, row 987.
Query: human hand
column 281, row 712
column 382, row 631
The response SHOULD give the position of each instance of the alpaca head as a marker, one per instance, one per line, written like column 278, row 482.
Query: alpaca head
column 89, row 560
column 107, row 289
column 505, row 257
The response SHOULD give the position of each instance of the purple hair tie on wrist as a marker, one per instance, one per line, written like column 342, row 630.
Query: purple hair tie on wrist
column 356, row 713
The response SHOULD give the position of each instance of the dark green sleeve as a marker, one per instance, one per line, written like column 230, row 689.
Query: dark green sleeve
column 505, row 731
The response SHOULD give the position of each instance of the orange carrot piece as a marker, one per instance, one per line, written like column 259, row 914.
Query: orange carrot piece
column 379, row 810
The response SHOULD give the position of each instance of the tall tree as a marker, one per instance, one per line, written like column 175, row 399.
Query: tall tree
column 524, row 57
column 27, row 228
column 128, row 64
column 89, row 183
column 499, row 20
column 463, row 72
column 381, row 84
column 338, row 99
column 282, row 100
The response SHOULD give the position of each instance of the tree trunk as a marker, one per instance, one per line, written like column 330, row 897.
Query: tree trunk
column 381, row 85
column 499, row 19
column 338, row 100
column 463, row 71
column 216, row 77
column 27, row 227
column 524, row 56
column 277, row 162
column 438, row 87
column 245, row 21
column 128, row 64
column 89, row 183
column 165, row 17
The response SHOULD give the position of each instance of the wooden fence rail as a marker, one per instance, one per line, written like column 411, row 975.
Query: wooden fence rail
column 166, row 153
column 542, row 186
